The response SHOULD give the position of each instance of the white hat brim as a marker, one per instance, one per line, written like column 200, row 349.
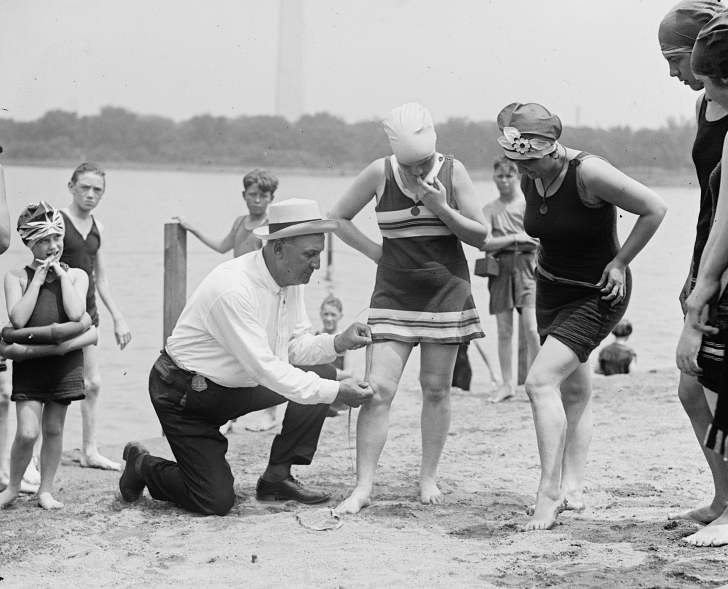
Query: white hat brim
column 305, row 228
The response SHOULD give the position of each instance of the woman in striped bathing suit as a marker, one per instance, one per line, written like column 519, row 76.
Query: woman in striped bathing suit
column 422, row 291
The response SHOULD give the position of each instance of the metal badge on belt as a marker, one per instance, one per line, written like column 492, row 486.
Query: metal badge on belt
column 198, row 383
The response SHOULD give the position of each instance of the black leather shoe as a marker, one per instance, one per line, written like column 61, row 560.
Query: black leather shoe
column 289, row 490
column 131, row 484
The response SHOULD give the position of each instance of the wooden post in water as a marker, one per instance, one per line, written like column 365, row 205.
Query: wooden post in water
column 175, row 275
column 522, row 352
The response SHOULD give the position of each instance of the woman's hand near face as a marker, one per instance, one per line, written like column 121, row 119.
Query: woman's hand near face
column 434, row 196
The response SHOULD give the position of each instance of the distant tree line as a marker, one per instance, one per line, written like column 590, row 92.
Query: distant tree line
column 319, row 141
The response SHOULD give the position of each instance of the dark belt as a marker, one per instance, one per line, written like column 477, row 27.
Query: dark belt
column 548, row 276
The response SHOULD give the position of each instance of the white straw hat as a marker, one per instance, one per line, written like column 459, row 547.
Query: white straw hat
column 292, row 217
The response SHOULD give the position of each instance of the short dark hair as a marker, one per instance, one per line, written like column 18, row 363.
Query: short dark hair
column 622, row 329
column 266, row 181
column 334, row 302
column 502, row 161
column 85, row 168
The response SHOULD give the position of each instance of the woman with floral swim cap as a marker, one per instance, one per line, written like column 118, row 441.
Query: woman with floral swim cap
column 677, row 34
column 422, row 291
column 709, row 63
column 582, row 287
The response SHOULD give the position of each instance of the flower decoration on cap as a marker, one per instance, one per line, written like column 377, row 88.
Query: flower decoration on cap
column 38, row 221
column 512, row 140
column 529, row 131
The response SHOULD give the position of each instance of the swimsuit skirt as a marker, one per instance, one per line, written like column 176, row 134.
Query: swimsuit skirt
column 577, row 242
column 54, row 378
column 422, row 290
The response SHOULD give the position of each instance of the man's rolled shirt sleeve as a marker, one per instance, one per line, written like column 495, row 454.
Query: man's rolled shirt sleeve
column 232, row 321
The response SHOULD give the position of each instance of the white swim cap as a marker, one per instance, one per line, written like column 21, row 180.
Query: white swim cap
column 411, row 133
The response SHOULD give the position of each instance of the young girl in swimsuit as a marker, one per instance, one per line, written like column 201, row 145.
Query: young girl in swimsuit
column 42, row 293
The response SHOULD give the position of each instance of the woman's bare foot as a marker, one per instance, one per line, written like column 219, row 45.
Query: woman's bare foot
column 98, row 461
column 504, row 393
column 7, row 497
column 46, row 501
column 545, row 513
column 358, row 500
column 266, row 419
column 430, row 493
column 25, row 487
column 704, row 514
column 576, row 506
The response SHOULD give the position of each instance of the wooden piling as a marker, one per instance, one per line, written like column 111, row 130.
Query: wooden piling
column 522, row 352
column 175, row 275
column 329, row 255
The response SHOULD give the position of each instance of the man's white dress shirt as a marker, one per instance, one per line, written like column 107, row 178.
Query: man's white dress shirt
column 229, row 332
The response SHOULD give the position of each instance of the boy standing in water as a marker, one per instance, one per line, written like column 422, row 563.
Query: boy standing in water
column 259, row 187
column 82, row 249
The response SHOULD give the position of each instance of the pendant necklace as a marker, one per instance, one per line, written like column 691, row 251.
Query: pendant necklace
column 543, row 209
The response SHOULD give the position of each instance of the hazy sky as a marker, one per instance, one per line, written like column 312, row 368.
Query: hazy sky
column 595, row 60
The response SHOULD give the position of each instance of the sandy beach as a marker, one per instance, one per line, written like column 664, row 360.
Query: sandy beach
column 644, row 463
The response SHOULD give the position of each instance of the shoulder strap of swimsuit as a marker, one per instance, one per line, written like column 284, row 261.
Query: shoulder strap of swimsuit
column 446, row 180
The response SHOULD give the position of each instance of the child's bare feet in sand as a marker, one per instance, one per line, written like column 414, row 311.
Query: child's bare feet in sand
column 265, row 420
column 430, row 493
column 98, row 461
column 46, row 501
column 545, row 513
column 504, row 392
column 8, row 496
column 358, row 500
column 704, row 514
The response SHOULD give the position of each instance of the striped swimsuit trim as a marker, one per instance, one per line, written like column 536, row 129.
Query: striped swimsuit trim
column 449, row 327
column 403, row 224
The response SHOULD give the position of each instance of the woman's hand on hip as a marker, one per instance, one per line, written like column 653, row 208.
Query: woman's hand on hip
column 612, row 282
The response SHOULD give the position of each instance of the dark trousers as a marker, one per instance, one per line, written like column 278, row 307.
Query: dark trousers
column 201, row 479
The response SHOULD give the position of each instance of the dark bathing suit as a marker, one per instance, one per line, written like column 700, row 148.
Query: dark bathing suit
column 55, row 378
column 81, row 253
column 577, row 242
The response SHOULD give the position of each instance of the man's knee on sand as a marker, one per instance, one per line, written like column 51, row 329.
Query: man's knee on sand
column 220, row 503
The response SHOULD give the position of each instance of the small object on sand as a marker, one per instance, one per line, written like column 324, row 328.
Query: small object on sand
column 254, row 558
column 319, row 520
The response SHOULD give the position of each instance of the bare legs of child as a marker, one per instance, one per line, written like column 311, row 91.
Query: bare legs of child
column 90, row 456
column 388, row 361
column 31, row 478
column 505, row 347
column 32, row 416
column 559, row 387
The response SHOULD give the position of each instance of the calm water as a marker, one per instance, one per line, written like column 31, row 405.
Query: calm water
column 137, row 204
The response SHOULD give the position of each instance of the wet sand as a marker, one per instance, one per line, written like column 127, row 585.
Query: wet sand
column 644, row 463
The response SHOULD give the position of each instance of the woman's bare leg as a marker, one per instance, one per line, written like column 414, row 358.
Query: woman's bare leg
column 54, row 417
column 554, row 363
column 388, row 361
column 436, row 367
column 576, row 395
column 696, row 406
